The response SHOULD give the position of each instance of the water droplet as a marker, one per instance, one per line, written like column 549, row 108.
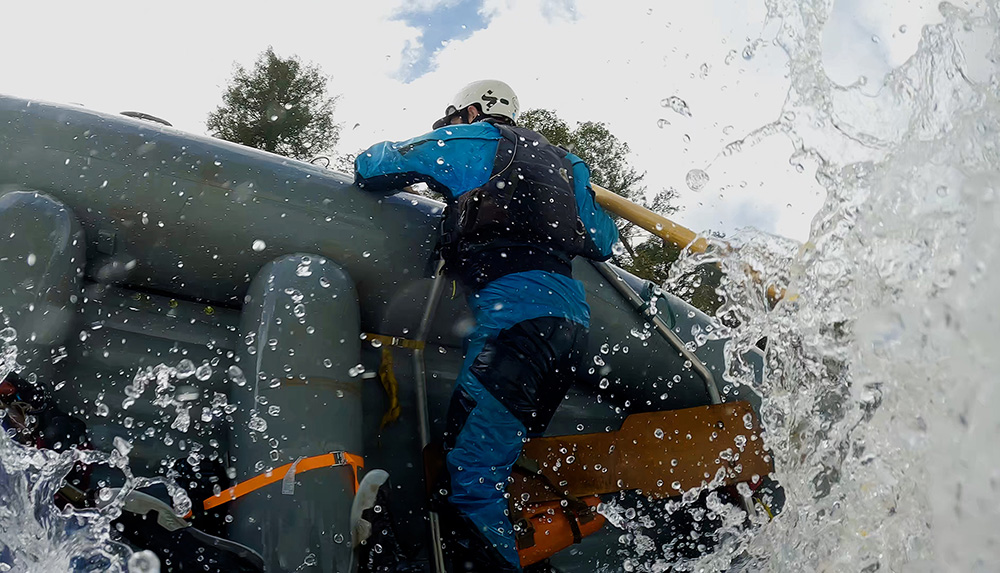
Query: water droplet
column 259, row 245
column 236, row 375
column 299, row 310
column 677, row 104
column 658, row 433
column 662, row 122
column 696, row 179
column 187, row 394
column 603, row 384
column 366, row 254
column 31, row 259
column 296, row 294
column 9, row 334
column 902, row 29
column 122, row 446
column 273, row 410
column 185, row 368
column 257, row 424
column 204, row 372
column 144, row 561
column 440, row 160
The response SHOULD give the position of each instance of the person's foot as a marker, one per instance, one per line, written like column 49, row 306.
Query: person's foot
column 467, row 549
column 372, row 534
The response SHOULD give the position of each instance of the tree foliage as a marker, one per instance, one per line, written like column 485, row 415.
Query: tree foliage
column 652, row 261
column 607, row 157
column 281, row 106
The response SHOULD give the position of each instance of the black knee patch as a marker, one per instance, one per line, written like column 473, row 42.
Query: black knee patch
column 529, row 367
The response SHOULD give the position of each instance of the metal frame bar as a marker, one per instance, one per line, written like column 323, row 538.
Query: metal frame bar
column 640, row 305
column 420, row 382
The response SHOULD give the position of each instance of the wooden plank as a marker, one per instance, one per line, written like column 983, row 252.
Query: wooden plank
column 661, row 453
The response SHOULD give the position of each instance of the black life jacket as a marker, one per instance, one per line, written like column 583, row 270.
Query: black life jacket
column 524, row 217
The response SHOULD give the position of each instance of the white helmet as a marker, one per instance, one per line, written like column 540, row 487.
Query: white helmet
column 494, row 98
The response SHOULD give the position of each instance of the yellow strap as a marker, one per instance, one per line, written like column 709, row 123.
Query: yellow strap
column 387, row 377
column 395, row 341
column 767, row 510
column 386, row 374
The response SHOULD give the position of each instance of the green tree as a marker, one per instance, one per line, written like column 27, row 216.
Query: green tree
column 281, row 106
column 652, row 261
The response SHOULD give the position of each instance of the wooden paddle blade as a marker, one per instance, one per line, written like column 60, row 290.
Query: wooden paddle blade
column 661, row 453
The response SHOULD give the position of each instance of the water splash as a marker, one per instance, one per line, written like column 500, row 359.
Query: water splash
column 36, row 535
column 879, row 392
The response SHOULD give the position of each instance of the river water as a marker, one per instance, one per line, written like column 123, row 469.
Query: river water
column 880, row 395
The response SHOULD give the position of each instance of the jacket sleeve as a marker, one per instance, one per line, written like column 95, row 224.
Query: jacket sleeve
column 450, row 160
column 601, row 229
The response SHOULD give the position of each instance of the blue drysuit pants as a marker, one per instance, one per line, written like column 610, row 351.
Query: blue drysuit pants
column 511, row 383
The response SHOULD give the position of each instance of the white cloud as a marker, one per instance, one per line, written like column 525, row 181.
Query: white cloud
column 174, row 61
column 615, row 63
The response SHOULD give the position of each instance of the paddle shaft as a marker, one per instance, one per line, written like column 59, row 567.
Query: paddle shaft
column 663, row 228
column 656, row 224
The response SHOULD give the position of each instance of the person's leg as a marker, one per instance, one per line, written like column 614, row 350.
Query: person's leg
column 511, row 384
column 482, row 444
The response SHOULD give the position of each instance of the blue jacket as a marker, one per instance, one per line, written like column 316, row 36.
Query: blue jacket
column 456, row 159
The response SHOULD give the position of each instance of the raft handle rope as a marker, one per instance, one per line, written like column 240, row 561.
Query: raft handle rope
column 387, row 375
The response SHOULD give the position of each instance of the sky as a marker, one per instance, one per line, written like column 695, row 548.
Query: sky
column 395, row 65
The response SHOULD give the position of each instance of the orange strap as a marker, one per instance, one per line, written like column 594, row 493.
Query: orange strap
column 331, row 459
